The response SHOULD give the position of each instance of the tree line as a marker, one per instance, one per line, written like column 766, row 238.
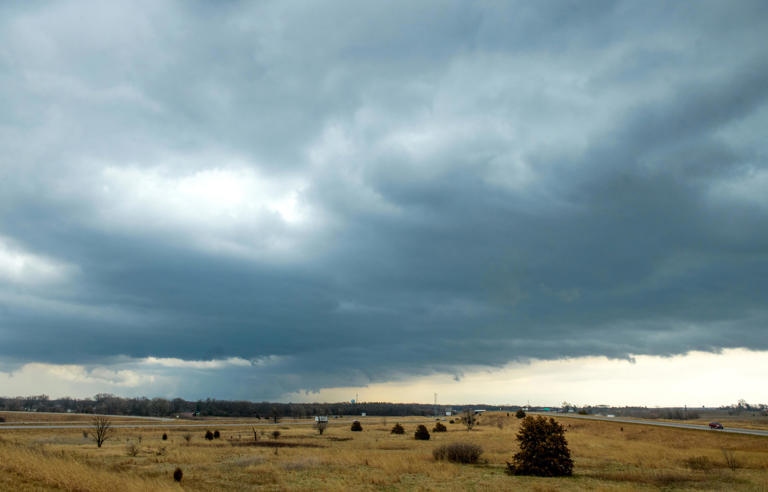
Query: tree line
column 104, row 403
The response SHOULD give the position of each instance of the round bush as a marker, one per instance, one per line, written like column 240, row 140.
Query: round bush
column 177, row 474
column 209, row 435
column 398, row 429
column 165, row 436
column 421, row 434
column 356, row 427
column 543, row 449
column 216, row 434
column 439, row 427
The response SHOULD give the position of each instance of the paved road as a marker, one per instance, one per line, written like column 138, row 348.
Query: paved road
column 731, row 430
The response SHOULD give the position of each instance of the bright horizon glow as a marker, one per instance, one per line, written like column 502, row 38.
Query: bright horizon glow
column 694, row 379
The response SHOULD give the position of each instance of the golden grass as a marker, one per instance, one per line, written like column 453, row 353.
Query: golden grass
column 606, row 458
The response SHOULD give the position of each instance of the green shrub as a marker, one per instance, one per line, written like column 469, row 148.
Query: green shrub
column 520, row 414
column 543, row 449
column 209, row 435
column 398, row 429
column 458, row 452
column 216, row 434
column 439, row 427
column 356, row 427
column 421, row 434
column 177, row 474
column 165, row 436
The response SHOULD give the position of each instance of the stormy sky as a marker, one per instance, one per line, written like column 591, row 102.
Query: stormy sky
column 250, row 200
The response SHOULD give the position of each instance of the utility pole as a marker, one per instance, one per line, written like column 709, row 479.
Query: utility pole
column 435, row 404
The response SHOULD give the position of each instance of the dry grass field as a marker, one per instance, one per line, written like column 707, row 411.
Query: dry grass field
column 607, row 455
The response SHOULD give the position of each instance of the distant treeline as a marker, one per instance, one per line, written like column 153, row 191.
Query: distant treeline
column 161, row 407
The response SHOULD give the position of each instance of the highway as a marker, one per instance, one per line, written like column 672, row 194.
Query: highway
column 731, row 430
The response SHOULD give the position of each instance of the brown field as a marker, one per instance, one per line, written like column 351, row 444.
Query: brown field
column 606, row 458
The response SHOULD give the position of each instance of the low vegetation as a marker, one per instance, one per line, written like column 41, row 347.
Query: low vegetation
column 245, row 458
column 458, row 452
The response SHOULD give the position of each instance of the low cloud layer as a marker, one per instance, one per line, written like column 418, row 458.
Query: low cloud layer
column 338, row 194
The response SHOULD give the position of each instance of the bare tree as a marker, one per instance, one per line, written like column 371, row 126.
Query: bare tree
column 102, row 429
column 468, row 418
column 275, row 415
column 321, row 426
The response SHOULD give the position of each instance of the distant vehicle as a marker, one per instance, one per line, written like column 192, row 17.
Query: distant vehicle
column 715, row 425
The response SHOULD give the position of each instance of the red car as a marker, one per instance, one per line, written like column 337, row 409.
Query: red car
column 715, row 425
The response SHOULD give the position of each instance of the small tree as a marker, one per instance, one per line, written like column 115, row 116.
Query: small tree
column 397, row 429
column 356, row 427
column 209, row 435
column 543, row 449
column 468, row 419
column 439, row 427
column 177, row 474
column 520, row 414
column 102, row 430
column 321, row 426
column 216, row 434
column 275, row 434
column 421, row 434
column 165, row 436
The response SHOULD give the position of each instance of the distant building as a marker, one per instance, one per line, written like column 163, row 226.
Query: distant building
column 321, row 419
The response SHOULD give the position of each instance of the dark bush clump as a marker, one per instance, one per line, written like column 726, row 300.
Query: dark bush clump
column 209, row 435
column 439, row 427
column 356, row 427
column 2, row 419
column 421, row 434
column 451, row 421
column 699, row 463
column 275, row 434
column 543, row 449
column 520, row 414
column 398, row 429
column 216, row 434
column 177, row 474
column 458, row 452
column 165, row 436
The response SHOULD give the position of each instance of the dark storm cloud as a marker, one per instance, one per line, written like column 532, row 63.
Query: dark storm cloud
column 344, row 194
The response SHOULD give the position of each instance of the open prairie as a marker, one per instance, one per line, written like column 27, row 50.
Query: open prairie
column 608, row 456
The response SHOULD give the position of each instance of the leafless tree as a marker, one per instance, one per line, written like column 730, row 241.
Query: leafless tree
column 468, row 418
column 102, row 429
column 321, row 426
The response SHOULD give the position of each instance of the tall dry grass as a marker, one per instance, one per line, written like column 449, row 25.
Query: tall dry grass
column 606, row 458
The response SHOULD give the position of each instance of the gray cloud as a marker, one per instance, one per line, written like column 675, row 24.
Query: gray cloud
column 361, row 193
